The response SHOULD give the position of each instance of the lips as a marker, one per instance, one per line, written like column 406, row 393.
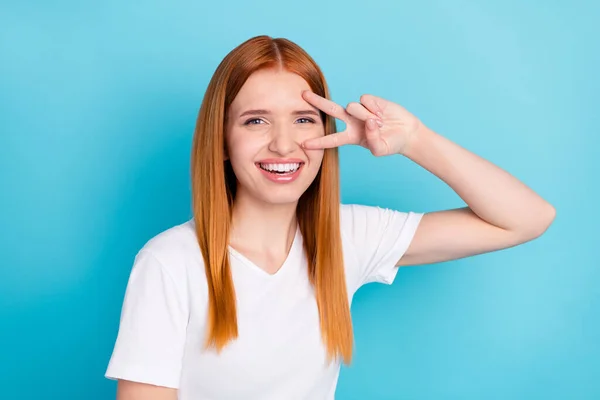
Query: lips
column 280, row 171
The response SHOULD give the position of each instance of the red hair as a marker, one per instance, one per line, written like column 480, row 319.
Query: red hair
column 214, row 187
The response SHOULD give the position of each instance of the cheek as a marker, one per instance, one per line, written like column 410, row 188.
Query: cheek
column 240, row 149
column 317, row 131
column 315, row 158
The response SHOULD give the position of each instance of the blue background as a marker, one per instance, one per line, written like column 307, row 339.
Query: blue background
column 98, row 102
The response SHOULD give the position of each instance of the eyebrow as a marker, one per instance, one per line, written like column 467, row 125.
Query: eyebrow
column 267, row 112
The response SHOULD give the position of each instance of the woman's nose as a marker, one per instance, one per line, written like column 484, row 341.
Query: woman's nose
column 283, row 141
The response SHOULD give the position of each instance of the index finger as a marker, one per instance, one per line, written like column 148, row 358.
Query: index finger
column 325, row 105
column 328, row 141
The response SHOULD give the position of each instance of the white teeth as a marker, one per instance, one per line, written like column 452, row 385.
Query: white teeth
column 282, row 168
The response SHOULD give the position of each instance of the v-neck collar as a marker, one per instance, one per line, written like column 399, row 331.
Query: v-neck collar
column 292, row 254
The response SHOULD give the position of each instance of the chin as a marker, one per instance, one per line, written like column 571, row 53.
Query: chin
column 273, row 192
column 281, row 197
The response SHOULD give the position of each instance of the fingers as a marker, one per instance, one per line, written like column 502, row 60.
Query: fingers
column 369, row 110
column 325, row 105
column 373, row 104
column 375, row 143
column 369, row 104
column 358, row 111
column 328, row 142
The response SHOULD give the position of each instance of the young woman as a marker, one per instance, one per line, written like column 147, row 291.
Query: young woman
column 251, row 298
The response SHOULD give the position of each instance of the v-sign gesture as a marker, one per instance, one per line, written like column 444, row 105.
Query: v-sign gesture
column 379, row 125
column 500, row 210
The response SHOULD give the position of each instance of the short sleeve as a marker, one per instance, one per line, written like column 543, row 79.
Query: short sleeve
column 379, row 237
column 151, row 338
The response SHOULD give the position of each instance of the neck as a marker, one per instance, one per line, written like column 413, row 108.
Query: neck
column 259, row 225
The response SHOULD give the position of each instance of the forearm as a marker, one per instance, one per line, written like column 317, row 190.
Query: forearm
column 128, row 390
column 490, row 192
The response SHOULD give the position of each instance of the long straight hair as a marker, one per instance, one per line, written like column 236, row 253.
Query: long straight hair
column 214, row 189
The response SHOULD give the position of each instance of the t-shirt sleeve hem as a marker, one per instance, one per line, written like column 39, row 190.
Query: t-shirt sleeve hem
column 388, row 271
column 156, row 378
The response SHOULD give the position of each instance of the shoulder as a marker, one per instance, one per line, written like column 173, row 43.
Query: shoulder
column 359, row 224
column 374, row 239
column 156, row 310
column 356, row 218
column 173, row 249
column 349, row 211
column 173, row 241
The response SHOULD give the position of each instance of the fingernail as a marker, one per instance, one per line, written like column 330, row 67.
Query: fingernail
column 379, row 114
column 371, row 123
column 379, row 122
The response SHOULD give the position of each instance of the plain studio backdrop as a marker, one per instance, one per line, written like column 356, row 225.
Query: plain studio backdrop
column 98, row 102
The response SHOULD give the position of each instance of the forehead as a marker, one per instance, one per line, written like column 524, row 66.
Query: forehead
column 272, row 90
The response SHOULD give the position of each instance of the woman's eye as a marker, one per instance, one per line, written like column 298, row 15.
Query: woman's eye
column 258, row 121
column 254, row 121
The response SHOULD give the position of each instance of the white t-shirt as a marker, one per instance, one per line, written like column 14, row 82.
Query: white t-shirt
column 279, row 353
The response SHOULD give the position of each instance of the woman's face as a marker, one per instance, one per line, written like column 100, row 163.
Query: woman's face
column 267, row 123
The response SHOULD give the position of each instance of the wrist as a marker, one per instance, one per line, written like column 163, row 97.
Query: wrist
column 414, row 140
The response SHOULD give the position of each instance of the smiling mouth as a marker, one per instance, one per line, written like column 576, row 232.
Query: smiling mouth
column 280, row 169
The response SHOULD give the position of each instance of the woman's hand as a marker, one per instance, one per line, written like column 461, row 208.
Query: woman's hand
column 376, row 124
